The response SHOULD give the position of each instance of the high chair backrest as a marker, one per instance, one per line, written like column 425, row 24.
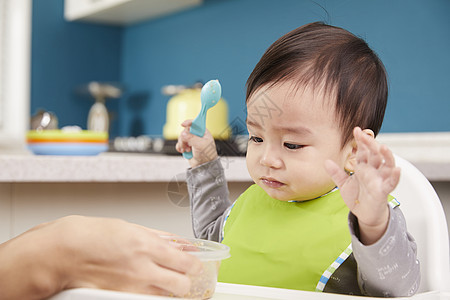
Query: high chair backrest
column 426, row 222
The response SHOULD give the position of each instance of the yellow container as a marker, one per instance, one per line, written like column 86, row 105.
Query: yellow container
column 186, row 105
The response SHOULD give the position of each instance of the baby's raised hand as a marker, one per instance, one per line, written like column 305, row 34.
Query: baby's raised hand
column 203, row 148
column 366, row 191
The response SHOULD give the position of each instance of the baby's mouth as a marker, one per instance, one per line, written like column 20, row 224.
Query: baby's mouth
column 271, row 182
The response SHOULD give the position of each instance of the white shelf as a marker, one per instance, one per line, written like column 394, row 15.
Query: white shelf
column 123, row 12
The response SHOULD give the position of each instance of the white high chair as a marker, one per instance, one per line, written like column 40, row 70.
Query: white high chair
column 426, row 221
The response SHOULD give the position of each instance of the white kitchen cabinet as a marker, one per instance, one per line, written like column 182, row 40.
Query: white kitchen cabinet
column 123, row 12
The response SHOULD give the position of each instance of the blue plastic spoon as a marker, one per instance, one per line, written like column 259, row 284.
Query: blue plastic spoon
column 209, row 96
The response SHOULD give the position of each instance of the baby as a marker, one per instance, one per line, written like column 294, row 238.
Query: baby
column 319, row 216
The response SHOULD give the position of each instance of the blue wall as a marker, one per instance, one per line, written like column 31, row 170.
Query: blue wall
column 66, row 56
column 224, row 39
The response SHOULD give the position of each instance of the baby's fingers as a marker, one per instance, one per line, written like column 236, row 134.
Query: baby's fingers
column 388, row 157
column 390, row 173
column 363, row 152
column 369, row 151
column 182, row 147
column 183, row 139
column 187, row 123
column 337, row 175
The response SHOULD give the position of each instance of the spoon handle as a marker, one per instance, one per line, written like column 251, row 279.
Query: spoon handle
column 187, row 155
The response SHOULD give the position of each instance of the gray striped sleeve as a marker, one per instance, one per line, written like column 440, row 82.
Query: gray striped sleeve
column 208, row 193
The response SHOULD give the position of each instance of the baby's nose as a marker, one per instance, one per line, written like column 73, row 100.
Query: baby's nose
column 271, row 159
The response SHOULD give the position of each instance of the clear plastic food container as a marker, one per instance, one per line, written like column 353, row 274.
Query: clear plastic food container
column 210, row 254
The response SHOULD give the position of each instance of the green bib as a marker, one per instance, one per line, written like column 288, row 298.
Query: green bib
column 283, row 244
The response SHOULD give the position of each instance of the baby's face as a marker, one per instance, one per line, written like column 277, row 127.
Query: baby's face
column 292, row 132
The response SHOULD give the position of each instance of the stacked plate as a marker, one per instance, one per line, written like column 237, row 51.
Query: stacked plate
column 62, row 142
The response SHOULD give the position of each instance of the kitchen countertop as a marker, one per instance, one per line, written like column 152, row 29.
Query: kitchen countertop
column 429, row 152
column 106, row 167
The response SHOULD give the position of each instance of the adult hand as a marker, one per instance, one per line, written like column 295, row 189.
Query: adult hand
column 203, row 148
column 76, row 251
column 366, row 191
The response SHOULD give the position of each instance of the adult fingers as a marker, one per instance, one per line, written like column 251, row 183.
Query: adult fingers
column 162, row 279
column 170, row 257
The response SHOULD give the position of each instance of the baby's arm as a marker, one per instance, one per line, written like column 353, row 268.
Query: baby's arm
column 366, row 191
column 389, row 267
column 208, row 192
column 383, row 249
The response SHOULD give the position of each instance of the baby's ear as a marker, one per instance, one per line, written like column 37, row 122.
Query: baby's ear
column 351, row 149
column 369, row 132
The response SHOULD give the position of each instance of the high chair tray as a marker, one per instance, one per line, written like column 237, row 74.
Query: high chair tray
column 225, row 291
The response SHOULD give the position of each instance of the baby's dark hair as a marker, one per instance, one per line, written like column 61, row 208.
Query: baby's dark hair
column 322, row 55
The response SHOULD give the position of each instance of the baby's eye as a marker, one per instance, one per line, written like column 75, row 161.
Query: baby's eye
column 293, row 146
column 255, row 139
